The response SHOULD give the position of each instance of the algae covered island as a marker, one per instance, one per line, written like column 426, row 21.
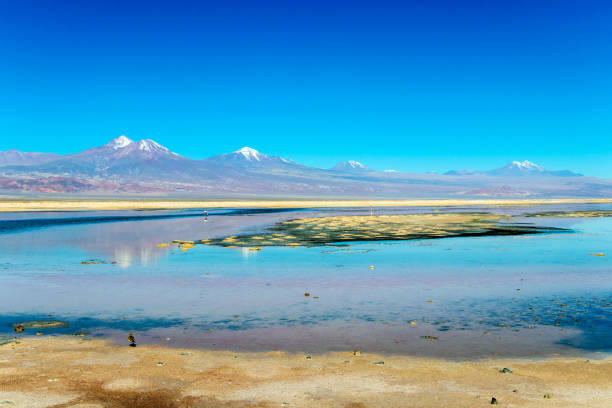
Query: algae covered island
column 328, row 230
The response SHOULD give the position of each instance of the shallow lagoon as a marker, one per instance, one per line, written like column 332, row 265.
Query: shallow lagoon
column 530, row 295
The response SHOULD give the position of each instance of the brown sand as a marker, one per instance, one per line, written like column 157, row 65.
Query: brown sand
column 74, row 372
column 83, row 205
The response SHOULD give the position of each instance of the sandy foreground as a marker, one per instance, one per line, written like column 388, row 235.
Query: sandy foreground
column 84, row 205
column 73, row 372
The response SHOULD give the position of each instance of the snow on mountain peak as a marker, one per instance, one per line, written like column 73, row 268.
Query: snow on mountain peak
column 355, row 164
column 148, row 145
column 120, row 142
column 351, row 165
column 526, row 165
column 249, row 154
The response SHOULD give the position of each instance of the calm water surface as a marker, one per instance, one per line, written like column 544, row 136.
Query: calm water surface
column 529, row 295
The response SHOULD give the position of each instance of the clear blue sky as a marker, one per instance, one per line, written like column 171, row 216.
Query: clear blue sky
column 413, row 86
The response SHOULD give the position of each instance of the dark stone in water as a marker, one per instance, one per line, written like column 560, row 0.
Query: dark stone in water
column 93, row 262
column 493, row 401
column 505, row 370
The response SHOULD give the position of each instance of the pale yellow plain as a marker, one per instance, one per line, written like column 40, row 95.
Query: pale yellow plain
column 90, row 205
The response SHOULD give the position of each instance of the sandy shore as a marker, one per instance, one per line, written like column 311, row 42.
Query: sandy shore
column 74, row 372
column 84, row 205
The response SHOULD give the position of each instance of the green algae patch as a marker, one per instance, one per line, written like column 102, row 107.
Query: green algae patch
column 329, row 230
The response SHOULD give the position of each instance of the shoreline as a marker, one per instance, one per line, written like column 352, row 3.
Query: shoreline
column 25, row 205
column 77, row 372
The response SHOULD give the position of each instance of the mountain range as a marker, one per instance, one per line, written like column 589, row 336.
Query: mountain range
column 124, row 166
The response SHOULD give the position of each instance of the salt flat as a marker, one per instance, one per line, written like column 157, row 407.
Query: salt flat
column 129, row 204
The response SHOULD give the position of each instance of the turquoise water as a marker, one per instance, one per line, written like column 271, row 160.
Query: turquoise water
column 527, row 295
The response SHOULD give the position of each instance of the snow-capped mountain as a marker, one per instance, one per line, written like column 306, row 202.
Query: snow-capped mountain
column 249, row 157
column 350, row 166
column 516, row 169
column 527, row 168
column 125, row 166
column 122, row 159
column 15, row 157
column 122, row 148
column 526, row 165
column 120, row 142
column 249, row 154
column 151, row 146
